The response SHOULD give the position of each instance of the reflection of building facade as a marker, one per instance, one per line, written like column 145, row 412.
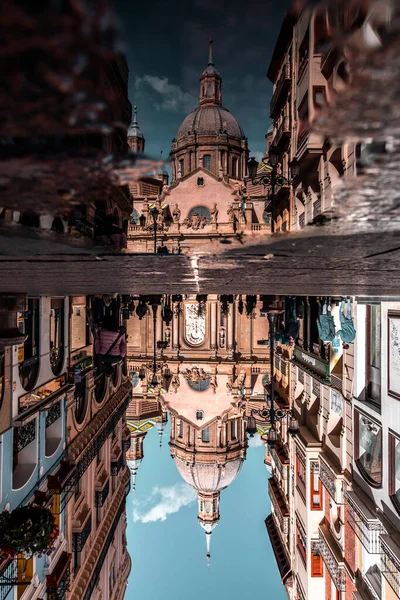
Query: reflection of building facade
column 143, row 413
column 213, row 354
column 309, row 529
column 62, row 434
column 207, row 199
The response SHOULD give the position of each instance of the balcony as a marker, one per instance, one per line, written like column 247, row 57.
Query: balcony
column 337, row 383
column 126, row 439
column 82, row 528
column 364, row 523
column 281, row 88
column 58, row 580
column 102, row 488
column 281, row 460
column 279, row 503
column 282, row 135
column 332, row 557
column 390, row 566
column 279, row 550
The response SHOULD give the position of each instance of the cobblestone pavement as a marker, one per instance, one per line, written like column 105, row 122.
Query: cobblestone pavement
column 316, row 262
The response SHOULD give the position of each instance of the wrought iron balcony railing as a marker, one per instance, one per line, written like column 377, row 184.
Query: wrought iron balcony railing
column 364, row 523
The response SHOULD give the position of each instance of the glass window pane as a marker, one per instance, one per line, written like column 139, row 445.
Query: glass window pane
column 375, row 336
column 370, row 449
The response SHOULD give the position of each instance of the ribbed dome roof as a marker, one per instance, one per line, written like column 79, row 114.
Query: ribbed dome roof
column 209, row 477
column 211, row 119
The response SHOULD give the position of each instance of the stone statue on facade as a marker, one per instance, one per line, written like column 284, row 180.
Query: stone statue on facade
column 229, row 383
column 175, row 383
column 195, row 374
column 214, row 214
column 231, row 214
column 176, row 214
column 222, row 338
column 213, row 383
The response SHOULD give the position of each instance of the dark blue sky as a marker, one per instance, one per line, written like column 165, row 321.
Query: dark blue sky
column 166, row 44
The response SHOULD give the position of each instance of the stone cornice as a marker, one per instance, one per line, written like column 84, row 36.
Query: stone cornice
column 80, row 443
column 87, row 569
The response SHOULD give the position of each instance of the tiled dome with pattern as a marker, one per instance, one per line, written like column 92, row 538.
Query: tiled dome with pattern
column 209, row 477
column 211, row 119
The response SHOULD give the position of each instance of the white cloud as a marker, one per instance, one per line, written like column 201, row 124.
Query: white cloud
column 255, row 442
column 168, row 96
column 171, row 500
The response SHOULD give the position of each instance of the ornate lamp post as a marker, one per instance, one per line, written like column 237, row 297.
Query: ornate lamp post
column 272, row 415
column 272, row 178
column 155, row 226
column 155, row 368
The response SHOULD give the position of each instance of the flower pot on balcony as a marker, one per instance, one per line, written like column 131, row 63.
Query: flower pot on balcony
column 29, row 530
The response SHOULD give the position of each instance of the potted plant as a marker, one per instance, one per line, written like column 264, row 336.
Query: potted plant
column 29, row 530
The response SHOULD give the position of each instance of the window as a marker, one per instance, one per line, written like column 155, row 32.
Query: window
column 233, row 430
column 336, row 403
column 319, row 97
column 316, row 492
column 180, row 429
column 98, row 458
column 301, row 541
column 28, row 353
column 368, row 438
column 200, row 211
column 199, row 414
column 57, row 335
column 301, row 475
column 205, row 434
column 135, row 217
column 394, row 457
column 303, row 54
column 208, row 507
column 214, row 505
column 234, row 167
column 209, row 90
column 266, row 217
column 373, row 386
column 207, row 161
column 317, row 565
column 182, row 167
column 200, row 181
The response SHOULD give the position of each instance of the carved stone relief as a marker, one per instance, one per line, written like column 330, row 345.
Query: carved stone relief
column 195, row 325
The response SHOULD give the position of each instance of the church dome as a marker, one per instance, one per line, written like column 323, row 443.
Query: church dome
column 211, row 119
column 209, row 477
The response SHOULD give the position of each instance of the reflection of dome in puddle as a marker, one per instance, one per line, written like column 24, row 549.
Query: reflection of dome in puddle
column 209, row 477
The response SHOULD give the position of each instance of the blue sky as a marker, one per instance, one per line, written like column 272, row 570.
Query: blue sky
column 168, row 556
column 166, row 45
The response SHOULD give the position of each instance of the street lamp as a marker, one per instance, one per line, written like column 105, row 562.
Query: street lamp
column 154, row 212
column 272, row 415
column 271, row 178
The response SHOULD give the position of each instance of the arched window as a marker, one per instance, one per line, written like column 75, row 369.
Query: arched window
column 28, row 354
column 266, row 217
column 209, row 90
column 234, row 167
column 57, row 335
column 201, row 211
column 182, row 167
column 57, row 225
column 368, row 437
column 207, row 161
column 30, row 219
column 135, row 217
column 199, row 386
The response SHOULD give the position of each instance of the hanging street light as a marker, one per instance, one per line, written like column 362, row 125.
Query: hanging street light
column 272, row 415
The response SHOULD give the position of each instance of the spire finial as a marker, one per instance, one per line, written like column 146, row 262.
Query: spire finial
column 208, row 540
column 135, row 121
column 210, row 56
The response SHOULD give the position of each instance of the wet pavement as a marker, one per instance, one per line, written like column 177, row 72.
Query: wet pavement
column 314, row 262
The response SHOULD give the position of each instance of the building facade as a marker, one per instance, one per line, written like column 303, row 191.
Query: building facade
column 207, row 200
column 64, row 437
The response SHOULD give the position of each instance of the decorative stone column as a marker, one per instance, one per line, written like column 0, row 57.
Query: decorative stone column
column 231, row 322
column 214, row 329
column 175, row 332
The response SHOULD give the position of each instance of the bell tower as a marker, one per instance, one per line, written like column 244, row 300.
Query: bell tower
column 210, row 83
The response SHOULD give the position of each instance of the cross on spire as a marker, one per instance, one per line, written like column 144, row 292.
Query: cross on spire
column 210, row 55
